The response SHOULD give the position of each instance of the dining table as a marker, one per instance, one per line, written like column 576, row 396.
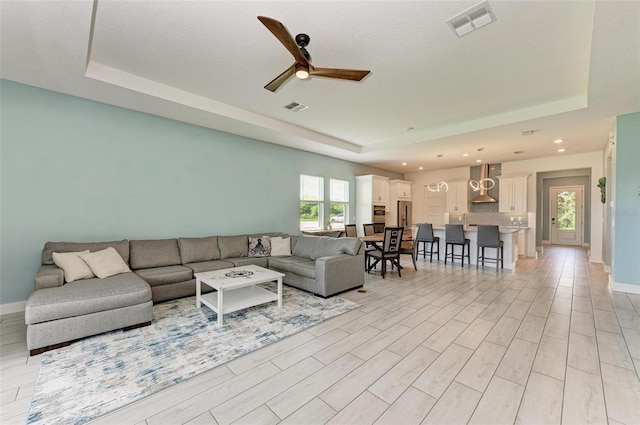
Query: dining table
column 376, row 241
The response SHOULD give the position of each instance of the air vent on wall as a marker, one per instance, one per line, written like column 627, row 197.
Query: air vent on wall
column 296, row 107
column 471, row 19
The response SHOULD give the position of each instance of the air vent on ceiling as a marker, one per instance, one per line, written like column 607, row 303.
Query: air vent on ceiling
column 518, row 152
column 296, row 107
column 471, row 19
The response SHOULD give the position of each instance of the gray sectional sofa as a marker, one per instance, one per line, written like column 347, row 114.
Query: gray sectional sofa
column 58, row 313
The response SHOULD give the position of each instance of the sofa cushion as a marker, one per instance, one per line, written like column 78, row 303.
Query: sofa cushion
column 245, row 261
column 304, row 268
column 165, row 275
column 305, row 246
column 207, row 266
column 284, row 263
column 50, row 247
column 73, row 266
column 105, row 263
column 233, row 246
column 87, row 296
column 259, row 246
column 146, row 254
column 334, row 246
column 195, row 250
column 280, row 246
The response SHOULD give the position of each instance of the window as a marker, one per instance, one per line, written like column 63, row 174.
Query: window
column 311, row 202
column 339, row 205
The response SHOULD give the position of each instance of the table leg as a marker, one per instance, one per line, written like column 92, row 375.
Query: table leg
column 220, row 306
column 279, row 292
column 198, row 293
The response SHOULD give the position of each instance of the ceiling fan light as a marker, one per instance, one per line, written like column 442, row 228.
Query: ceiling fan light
column 302, row 72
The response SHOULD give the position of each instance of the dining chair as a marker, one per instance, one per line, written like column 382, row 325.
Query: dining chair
column 489, row 237
column 425, row 236
column 390, row 250
column 454, row 236
column 369, row 229
column 350, row 230
column 409, row 248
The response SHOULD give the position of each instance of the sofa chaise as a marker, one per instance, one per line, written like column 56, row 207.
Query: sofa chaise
column 59, row 312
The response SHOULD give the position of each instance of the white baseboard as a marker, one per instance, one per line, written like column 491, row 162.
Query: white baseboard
column 623, row 287
column 546, row 242
column 598, row 261
column 12, row 307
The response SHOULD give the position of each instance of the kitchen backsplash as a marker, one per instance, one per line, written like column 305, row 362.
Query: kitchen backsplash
column 501, row 219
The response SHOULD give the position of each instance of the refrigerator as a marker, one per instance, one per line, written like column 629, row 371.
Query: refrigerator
column 404, row 214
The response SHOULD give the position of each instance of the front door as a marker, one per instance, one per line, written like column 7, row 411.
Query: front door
column 565, row 215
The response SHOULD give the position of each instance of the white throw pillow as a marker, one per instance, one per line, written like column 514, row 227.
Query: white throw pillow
column 73, row 266
column 280, row 246
column 106, row 262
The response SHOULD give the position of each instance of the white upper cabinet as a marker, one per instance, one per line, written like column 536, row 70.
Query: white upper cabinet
column 456, row 197
column 513, row 193
column 380, row 190
column 400, row 190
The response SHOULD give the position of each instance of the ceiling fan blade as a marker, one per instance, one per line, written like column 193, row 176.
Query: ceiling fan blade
column 343, row 74
column 281, row 79
column 284, row 37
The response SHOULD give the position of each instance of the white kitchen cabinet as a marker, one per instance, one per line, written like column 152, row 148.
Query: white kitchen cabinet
column 522, row 243
column 380, row 193
column 400, row 190
column 456, row 198
column 370, row 190
column 513, row 193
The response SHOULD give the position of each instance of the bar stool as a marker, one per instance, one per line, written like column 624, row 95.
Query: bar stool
column 454, row 236
column 425, row 236
column 489, row 237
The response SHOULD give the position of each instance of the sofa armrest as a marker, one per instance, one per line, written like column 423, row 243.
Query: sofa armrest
column 338, row 273
column 49, row 276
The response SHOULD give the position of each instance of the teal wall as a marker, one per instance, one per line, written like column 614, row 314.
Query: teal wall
column 78, row 170
column 627, row 205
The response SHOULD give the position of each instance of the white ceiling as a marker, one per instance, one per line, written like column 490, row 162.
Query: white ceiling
column 562, row 68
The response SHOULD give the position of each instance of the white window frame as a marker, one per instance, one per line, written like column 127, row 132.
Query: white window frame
column 304, row 198
column 340, row 198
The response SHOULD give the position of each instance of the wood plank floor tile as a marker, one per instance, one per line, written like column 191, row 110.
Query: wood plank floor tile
column 622, row 393
column 204, row 419
column 334, row 351
column 557, row 326
column 613, row 350
column 517, row 361
column 444, row 336
column 348, row 388
column 316, row 412
column 551, row 359
column 504, row 331
column 475, row 333
column 499, row 403
column 583, row 323
column 542, row 401
column 481, row 366
column 439, row 375
column 494, row 311
column 583, row 354
column 606, row 321
column 373, row 346
column 366, row 409
column 259, row 416
column 531, row 328
column 455, row 406
column 632, row 338
column 410, row 409
column 583, row 399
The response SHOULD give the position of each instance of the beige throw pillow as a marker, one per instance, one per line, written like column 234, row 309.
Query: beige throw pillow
column 105, row 263
column 72, row 265
column 280, row 246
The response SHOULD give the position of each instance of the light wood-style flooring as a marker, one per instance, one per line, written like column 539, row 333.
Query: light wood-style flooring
column 443, row 345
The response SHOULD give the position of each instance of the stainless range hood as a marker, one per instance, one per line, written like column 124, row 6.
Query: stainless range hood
column 483, row 197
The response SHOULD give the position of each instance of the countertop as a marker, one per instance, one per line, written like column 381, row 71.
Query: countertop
column 502, row 229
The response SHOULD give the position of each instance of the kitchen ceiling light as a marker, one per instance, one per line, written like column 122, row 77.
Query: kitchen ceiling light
column 561, row 150
column 420, row 168
column 404, row 163
column 558, row 141
column 465, row 154
column 478, row 160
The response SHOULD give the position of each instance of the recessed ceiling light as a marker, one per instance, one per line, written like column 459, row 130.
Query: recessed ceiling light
column 404, row 163
column 410, row 128
column 478, row 160
column 440, row 155
column 558, row 141
column 561, row 150
column 465, row 154
column 420, row 168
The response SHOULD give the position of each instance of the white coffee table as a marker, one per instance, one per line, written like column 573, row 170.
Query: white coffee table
column 237, row 288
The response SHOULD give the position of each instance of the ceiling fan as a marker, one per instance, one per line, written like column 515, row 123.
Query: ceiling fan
column 302, row 67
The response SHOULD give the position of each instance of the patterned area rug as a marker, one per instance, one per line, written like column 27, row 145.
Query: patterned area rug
column 98, row 375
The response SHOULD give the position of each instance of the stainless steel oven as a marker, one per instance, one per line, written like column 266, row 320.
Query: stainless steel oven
column 379, row 217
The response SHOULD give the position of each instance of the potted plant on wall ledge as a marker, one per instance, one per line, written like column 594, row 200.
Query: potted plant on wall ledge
column 602, row 183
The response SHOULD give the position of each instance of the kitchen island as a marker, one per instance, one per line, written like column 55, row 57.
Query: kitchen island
column 509, row 236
